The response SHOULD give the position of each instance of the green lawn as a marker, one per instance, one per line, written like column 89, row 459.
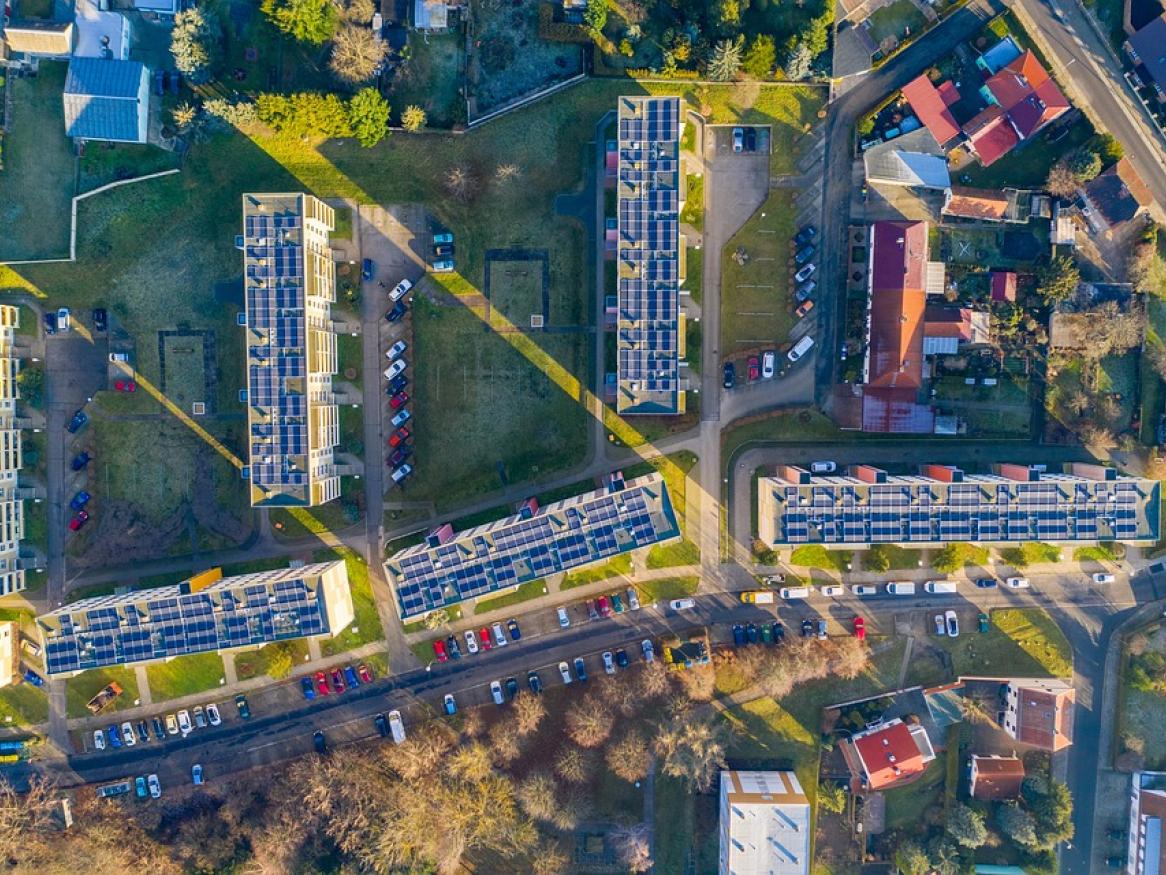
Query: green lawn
column 693, row 212
column 1151, row 383
column 1099, row 553
column 37, row 180
column 678, row 553
column 694, row 275
column 366, row 626
column 532, row 589
column 86, row 685
column 23, row 705
column 254, row 663
column 350, row 352
column 756, row 302
column 897, row 557
column 184, row 676
column 621, row 564
column 1143, row 715
column 907, row 806
column 817, row 556
column 1030, row 554
column 103, row 163
column 292, row 524
column 669, row 588
column 1028, row 166
column 900, row 20
column 431, row 79
column 1019, row 643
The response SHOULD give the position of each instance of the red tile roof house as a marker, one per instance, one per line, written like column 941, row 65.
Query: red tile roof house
column 996, row 777
column 889, row 755
column 931, row 104
column 1003, row 285
column 898, row 280
column 1024, row 100
column 1039, row 711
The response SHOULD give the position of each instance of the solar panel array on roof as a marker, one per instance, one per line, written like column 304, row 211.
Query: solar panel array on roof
column 515, row 550
column 987, row 508
column 166, row 622
column 648, row 284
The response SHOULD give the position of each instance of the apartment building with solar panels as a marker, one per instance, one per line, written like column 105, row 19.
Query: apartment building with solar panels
column 650, row 256
column 11, row 507
column 206, row 613
column 452, row 567
column 289, row 285
column 1085, row 503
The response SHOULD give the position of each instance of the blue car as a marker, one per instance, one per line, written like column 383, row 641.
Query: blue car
column 350, row 676
column 140, row 786
column 79, row 500
column 114, row 736
column 580, row 669
column 515, row 632
column 33, row 678
column 738, row 635
column 306, row 686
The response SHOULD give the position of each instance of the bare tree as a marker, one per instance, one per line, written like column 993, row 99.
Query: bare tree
column 1078, row 402
column 358, row 11
column 529, row 712
column 574, row 765
column 461, row 182
column 506, row 172
column 652, row 680
column 537, row 796
column 473, row 722
column 698, row 683
column 850, row 658
column 633, row 846
column 1096, row 436
column 589, row 722
column 420, row 753
column 25, row 818
column 356, row 54
column 628, row 757
column 550, row 859
column 1155, row 353
column 504, row 742
column 693, row 750
column 1062, row 180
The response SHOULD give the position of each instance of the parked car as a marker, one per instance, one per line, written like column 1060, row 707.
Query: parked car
column 750, row 139
column 400, row 290
column 616, row 603
column 395, row 369
column 565, row 672
column 336, row 681
column 196, row 774
column 621, row 658
column 738, row 139
column 580, row 669
column 953, row 624
column 439, row 650
column 396, row 349
column 77, row 422
column 382, row 725
column 199, row 717
column 805, row 290
column 648, row 650
column 64, row 320
column 823, row 467
column 50, row 323
column 442, row 265
column 861, row 589
column 78, row 521
column 860, row 628
column 158, row 727
column 608, row 662
column 79, row 500
column 534, row 682
column 171, row 724
column 778, row 632
column 754, row 368
column 822, row 629
column 401, row 418
column 455, row 649
column 399, row 400
column 803, row 255
column 155, row 786
column 184, row 724
column 449, row 705
column 1103, row 577
column 1016, row 583
column 471, row 642
column 805, row 273
column 603, row 606
column 99, row 739
column 515, row 632
column 496, row 692
column 367, row 269
column 143, row 732
column 319, row 743
column 805, row 235
column 499, row 635
column 633, row 599
column 804, row 309
column 397, row 312
column 444, row 237
column 140, row 787
column 767, row 360
column 398, row 384
column 833, row 592
column 807, row 628
column 484, row 637
column 730, row 375
column 802, row 347
column 80, row 461
column 100, row 320
column 321, row 682
column 940, row 628
column 986, row 582
column 399, row 456
column 682, row 604
column 511, row 687
column 242, row 707
column 399, row 436
column 564, row 620
column 351, row 678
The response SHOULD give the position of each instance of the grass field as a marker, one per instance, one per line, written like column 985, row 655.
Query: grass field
column 1019, row 643
column 678, row 553
column 184, row 676
column 756, row 299
column 532, row 589
column 431, row 79
column 86, row 685
column 900, row 20
column 669, row 588
column 366, row 626
column 37, row 181
column 817, row 556
column 621, row 564
column 23, row 705
column 255, row 663
column 906, row 806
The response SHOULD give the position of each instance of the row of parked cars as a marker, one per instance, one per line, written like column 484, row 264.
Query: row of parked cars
column 774, row 633
column 181, row 722
column 484, row 640
column 396, row 383
column 336, row 680
column 575, row 671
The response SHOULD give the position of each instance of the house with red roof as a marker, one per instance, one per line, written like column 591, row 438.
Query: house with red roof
column 931, row 106
column 1024, row 99
column 1039, row 711
column 1003, row 285
column 889, row 755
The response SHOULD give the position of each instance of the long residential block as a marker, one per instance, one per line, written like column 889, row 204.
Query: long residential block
column 450, row 567
column 206, row 613
column 941, row 504
column 290, row 284
column 650, row 193
column 11, row 507
column 765, row 824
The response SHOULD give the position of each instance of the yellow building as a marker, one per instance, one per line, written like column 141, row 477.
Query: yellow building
column 11, row 507
column 290, row 284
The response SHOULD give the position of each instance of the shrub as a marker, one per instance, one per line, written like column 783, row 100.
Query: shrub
column 368, row 116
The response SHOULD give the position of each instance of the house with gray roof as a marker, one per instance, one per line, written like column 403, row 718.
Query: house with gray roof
column 107, row 99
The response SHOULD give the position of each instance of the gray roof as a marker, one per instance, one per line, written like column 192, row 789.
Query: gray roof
column 101, row 99
column 898, row 167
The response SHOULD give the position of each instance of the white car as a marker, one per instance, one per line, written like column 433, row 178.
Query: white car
column 1016, row 583
column 127, row 734
column 496, row 692
column 940, row 629
column 823, row 467
column 649, row 651
column 805, row 273
column 155, row 786
column 396, row 349
column 565, row 672
column 184, row 722
column 608, row 662
column 395, row 368
column 832, row 591
column 99, row 739
column 864, row 589
column 682, row 604
column 171, row 724
column 767, row 361
column 1103, row 577
column 953, row 624
column 471, row 641
column 212, row 714
column 400, row 290
column 564, row 620
column 196, row 774
column 633, row 599
column 499, row 635
column 64, row 322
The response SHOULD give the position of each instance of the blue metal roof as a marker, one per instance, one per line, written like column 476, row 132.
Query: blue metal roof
column 101, row 99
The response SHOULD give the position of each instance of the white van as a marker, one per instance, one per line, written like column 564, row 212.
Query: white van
column 901, row 587
column 940, row 587
column 794, row 592
column 802, row 347
column 396, row 727
column 757, row 597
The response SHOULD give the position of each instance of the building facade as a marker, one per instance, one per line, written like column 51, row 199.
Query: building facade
column 1145, row 853
column 290, row 284
column 11, row 507
column 941, row 504
column 650, row 253
column 765, row 824
column 204, row 614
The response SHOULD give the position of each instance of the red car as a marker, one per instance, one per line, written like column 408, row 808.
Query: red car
column 399, row 437
column 604, row 606
column 754, row 368
column 322, row 684
column 79, row 520
column 337, row 678
column 439, row 650
column 125, row 386
column 484, row 637
column 859, row 628
column 804, row 309
column 364, row 674
column 399, row 400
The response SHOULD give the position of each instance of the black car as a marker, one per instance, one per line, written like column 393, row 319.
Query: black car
column 159, row 82
column 451, row 645
column 515, row 632
column 398, row 384
column 50, row 320
column 804, row 236
column 366, row 269
column 143, row 731
column 738, row 634
column 511, row 687
column 242, row 707
column 807, row 628
column 535, row 682
column 397, row 312
column 752, row 634
column 443, row 249
column 319, row 742
column 100, row 319
column 580, row 669
column 621, row 658
column 986, row 582
column 804, row 254
column 159, row 729
column 382, row 725
column 400, row 455
column 750, row 139
column 80, row 461
column 730, row 375
column 77, row 422
column 778, row 632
